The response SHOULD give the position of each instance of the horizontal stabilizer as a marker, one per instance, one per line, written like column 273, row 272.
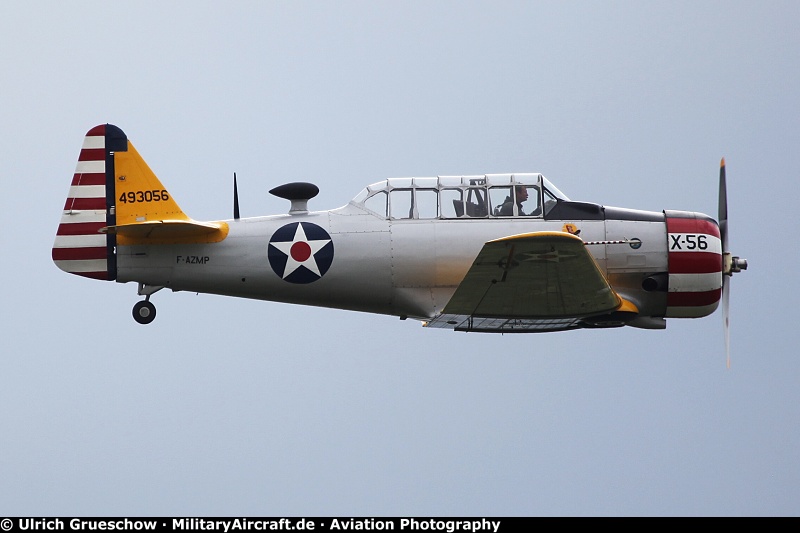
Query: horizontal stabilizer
column 169, row 231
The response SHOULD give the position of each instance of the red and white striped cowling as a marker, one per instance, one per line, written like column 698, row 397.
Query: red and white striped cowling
column 695, row 264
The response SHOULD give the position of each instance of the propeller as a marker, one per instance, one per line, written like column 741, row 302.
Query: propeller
column 730, row 264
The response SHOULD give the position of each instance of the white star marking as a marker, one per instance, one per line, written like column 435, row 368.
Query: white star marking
column 291, row 263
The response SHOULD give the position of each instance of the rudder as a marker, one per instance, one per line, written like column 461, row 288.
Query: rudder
column 79, row 247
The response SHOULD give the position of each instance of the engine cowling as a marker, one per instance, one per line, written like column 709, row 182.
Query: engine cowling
column 694, row 248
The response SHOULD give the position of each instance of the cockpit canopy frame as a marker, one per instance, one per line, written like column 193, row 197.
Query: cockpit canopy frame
column 458, row 197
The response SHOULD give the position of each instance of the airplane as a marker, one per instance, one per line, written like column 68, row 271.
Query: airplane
column 494, row 253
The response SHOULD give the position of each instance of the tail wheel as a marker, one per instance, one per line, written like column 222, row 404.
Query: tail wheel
column 144, row 312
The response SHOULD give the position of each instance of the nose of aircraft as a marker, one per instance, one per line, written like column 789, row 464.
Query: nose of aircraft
column 694, row 250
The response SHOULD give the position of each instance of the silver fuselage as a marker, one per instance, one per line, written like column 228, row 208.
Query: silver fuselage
column 407, row 268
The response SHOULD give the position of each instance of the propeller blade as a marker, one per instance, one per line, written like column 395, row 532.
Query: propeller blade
column 726, row 320
column 723, row 206
column 235, row 199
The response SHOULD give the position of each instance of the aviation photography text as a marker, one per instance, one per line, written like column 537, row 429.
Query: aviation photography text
column 230, row 525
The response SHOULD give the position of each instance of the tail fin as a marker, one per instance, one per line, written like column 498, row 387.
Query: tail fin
column 115, row 199
column 139, row 195
column 146, row 213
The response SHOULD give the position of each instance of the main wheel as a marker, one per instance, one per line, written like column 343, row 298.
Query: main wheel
column 144, row 312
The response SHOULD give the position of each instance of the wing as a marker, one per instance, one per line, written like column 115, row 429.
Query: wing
column 543, row 281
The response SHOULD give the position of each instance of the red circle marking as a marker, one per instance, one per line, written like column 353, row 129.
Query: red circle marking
column 300, row 251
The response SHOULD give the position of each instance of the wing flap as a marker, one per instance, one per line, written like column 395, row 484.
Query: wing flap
column 540, row 281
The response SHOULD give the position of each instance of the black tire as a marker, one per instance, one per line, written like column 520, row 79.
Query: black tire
column 144, row 312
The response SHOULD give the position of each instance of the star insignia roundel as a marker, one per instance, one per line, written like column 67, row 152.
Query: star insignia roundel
column 300, row 252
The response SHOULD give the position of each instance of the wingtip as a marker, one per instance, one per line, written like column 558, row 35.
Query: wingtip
column 722, row 162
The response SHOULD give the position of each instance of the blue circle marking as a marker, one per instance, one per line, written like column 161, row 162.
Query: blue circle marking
column 300, row 252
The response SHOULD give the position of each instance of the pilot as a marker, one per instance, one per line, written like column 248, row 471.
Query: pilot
column 507, row 207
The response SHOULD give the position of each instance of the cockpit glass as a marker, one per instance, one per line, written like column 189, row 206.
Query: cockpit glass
column 377, row 203
column 553, row 190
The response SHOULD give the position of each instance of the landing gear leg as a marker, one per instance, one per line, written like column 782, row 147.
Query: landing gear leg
column 144, row 312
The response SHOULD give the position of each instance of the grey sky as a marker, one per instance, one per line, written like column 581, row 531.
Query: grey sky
column 237, row 407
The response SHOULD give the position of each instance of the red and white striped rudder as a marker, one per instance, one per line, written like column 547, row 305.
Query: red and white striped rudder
column 79, row 247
